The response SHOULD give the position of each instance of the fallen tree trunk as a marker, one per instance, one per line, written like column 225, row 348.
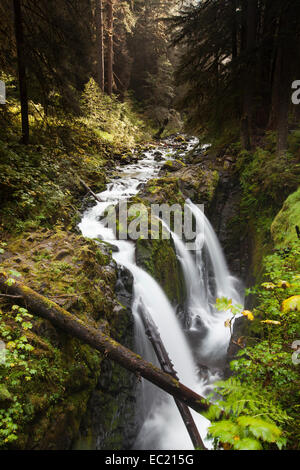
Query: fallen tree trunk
column 64, row 320
column 89, row 190
column 168, row 367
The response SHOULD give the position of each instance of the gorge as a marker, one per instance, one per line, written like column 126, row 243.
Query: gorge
column 202, row 339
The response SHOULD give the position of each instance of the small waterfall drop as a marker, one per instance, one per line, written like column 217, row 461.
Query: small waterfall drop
column 162, row 427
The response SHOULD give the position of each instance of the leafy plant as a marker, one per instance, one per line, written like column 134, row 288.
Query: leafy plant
column 252, row 418
column 15, row 368
column 266, row 383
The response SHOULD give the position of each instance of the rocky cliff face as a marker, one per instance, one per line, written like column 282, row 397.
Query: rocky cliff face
column 110, row 421
column 224, row 214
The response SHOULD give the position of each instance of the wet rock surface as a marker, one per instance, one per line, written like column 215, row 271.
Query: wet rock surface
column 110, row 420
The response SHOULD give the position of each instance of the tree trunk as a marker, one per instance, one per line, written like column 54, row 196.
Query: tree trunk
column 67, row 322
column 167, row 366
column 234, row 38
column 281, row 90
column 22, row 70
column 100, row 44
column 110, row 51
column 250, row 32
column 89, row 190
column 283, row 103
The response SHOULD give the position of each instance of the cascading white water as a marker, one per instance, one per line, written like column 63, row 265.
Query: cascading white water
column 163, row 428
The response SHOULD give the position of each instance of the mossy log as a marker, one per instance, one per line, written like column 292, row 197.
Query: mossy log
column 98, row 340
column 89, row 190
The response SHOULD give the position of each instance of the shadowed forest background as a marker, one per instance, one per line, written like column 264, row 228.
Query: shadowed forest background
column 90, row 86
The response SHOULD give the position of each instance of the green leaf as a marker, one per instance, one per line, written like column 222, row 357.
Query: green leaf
column 225, row 431
column 15, row 273
column 247, row 444
column 214, row 412
column 261, row 429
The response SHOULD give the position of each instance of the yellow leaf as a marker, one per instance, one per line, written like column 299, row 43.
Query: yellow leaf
column 284, row 284
column 227, row 323
column 269, row 286
column 291, row 305
column 271, row 322
column 248, row 314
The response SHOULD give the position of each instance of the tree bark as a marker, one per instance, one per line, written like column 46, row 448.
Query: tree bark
column 234, row 30
column 285, row 60
column 100, row 44
column 250, row 12
column 67, row 322
column 110, row 51
column 283, row 106
column 22, row 70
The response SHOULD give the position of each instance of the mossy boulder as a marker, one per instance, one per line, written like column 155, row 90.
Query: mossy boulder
column 197, row 183
column 158, row 258
column 189, row 182
column 283, row 228
column 164, row 190
column 172, row 166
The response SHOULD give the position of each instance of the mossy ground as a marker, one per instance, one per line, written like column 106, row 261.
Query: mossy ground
column 78, row 275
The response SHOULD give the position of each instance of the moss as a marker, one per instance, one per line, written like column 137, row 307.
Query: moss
column 4, row 394
column 283, row 228
column 56, row 399
column 159, row 259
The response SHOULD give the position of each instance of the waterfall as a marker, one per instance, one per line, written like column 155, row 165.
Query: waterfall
column 162, row 427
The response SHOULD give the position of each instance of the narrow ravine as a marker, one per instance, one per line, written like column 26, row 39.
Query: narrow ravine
column 197, row 348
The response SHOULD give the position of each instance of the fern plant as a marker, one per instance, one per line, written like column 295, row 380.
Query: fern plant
column 244, row 418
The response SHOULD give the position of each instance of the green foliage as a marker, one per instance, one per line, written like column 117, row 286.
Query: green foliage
column 15, row 367
column 253, row 419
column 109, row 118
column 294, row 141
column 263, row 173
column 39, row 183
column 266, row 383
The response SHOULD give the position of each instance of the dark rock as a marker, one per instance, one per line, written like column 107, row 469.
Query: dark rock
column 173, row 165
column 124, row 287
column 62, row 254
column 223, row 213
column 158, row 156
column 239, row 333
column 110, row 421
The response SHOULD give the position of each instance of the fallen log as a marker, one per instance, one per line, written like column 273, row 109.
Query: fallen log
column 167, row 366
column 98, row 340
column 89, row 190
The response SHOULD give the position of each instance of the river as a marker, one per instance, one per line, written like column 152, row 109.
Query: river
column 198, row 348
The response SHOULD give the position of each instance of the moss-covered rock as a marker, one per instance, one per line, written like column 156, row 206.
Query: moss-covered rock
column 79, row 275
column 158, row 258
column 283, row 228
column 189, row 182
column 173, row 165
